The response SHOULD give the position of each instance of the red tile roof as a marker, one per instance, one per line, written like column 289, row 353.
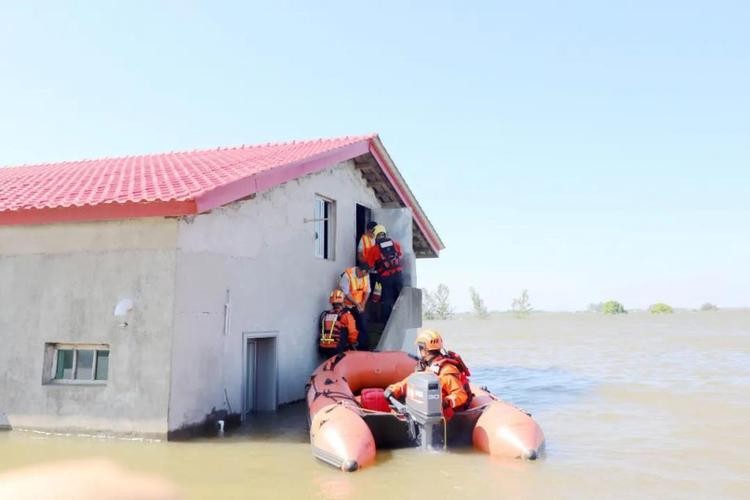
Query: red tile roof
column 178, row 183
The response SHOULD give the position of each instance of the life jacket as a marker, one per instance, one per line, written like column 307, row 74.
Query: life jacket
column 389, row 262
column 367, row 243
column 357, row 287
column 451, row 358
column 331, row 329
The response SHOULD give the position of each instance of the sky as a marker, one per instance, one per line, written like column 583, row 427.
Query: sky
column 584, row 151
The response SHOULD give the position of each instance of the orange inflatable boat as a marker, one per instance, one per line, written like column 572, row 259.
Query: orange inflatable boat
column 350, row 419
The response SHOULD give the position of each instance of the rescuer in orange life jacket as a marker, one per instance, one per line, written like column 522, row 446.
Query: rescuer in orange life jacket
column 447, row 365
column 338, row 330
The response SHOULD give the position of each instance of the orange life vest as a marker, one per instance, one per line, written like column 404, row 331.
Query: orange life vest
column 331, row 329
column 367, row 243
column 451, row 358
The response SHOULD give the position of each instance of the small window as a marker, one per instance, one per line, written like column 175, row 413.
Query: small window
column 325, row 227
column 76, row 363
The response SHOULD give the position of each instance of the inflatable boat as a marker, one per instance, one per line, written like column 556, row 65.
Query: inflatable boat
column 350, row 417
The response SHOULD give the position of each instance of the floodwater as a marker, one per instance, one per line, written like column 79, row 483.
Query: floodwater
column 632, row 406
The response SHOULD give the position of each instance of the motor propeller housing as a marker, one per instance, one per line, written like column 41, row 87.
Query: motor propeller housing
column 424, row 404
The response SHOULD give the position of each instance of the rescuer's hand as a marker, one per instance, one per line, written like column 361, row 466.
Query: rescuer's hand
column 446, row 403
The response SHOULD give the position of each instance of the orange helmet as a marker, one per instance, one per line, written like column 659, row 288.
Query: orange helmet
column 430, row 340
column 336, row 297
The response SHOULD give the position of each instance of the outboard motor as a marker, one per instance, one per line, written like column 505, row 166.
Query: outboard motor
column 425, row 406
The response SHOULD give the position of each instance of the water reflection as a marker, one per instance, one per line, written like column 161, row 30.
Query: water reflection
column 535, row 389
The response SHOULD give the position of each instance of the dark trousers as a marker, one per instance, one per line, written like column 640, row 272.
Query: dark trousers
column 392, row 286
column 361, row 319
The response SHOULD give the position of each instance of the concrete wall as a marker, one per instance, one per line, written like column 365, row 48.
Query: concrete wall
column 400, row 332
column 60, row 283
column 261, row 251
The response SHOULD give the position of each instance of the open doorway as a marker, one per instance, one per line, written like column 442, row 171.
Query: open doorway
column 260, row 373
column 364, row 215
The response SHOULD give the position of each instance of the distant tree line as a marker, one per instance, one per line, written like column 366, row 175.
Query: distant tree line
column 436, row 305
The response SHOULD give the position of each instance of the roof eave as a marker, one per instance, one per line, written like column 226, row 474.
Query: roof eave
column 90, row 213
column 386, row 163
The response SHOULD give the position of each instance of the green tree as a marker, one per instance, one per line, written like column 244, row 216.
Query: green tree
column 660, row 308
column 428, row 305
column 613, row 307
column 521, row 306
column 443, row 308
column 709, row 307
column 480, row 310
column 436, row 305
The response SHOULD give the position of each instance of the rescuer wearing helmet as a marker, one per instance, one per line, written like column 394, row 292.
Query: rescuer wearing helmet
column 385, row 259
column 447, row 365
column 338, row 330
column 355, row 283
column 366, row 242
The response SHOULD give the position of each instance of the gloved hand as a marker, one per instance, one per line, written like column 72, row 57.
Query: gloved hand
column 446, row 403
column 388, row 392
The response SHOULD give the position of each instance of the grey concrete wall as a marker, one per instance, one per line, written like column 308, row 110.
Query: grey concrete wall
column 400, row 332
column 262, row 251
column 60, row 283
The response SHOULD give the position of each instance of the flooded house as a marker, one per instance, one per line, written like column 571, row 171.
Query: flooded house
column 142, row 295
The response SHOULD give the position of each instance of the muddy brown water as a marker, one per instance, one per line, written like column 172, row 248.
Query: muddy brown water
column 632, row 406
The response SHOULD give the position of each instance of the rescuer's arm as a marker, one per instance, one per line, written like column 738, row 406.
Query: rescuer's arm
column 453, row 391
column 346, row 288
column 397, row 390
column 351, row 327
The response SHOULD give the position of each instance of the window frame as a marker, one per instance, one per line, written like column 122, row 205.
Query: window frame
column 324, row 221
column 52, row 350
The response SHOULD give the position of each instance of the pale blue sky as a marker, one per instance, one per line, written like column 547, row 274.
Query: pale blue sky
column 582, row 150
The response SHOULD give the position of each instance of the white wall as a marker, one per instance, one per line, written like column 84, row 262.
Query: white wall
column 60, row 283
column 262, row 251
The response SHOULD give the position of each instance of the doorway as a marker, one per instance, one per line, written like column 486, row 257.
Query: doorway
column 260, row 373
column 364, row 215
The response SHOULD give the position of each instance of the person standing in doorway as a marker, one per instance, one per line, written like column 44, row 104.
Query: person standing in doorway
column 385, row 259
column 355, row 283
column 366, row 242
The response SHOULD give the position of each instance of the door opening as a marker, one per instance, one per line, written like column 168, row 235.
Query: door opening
column 364, row 215
column 260, row 385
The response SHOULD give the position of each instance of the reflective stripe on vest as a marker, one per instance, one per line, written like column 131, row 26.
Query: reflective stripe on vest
column 330, row 330
column 367, row 243
column 357, row 287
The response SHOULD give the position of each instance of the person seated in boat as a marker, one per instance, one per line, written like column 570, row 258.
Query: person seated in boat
column 447, row 365
column 338, row 329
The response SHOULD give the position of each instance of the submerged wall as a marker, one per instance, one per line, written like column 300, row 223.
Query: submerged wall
column 260, row 253
column 60, row 283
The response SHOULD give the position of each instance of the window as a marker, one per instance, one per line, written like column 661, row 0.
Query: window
column 325, row 227
column 83, row 363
